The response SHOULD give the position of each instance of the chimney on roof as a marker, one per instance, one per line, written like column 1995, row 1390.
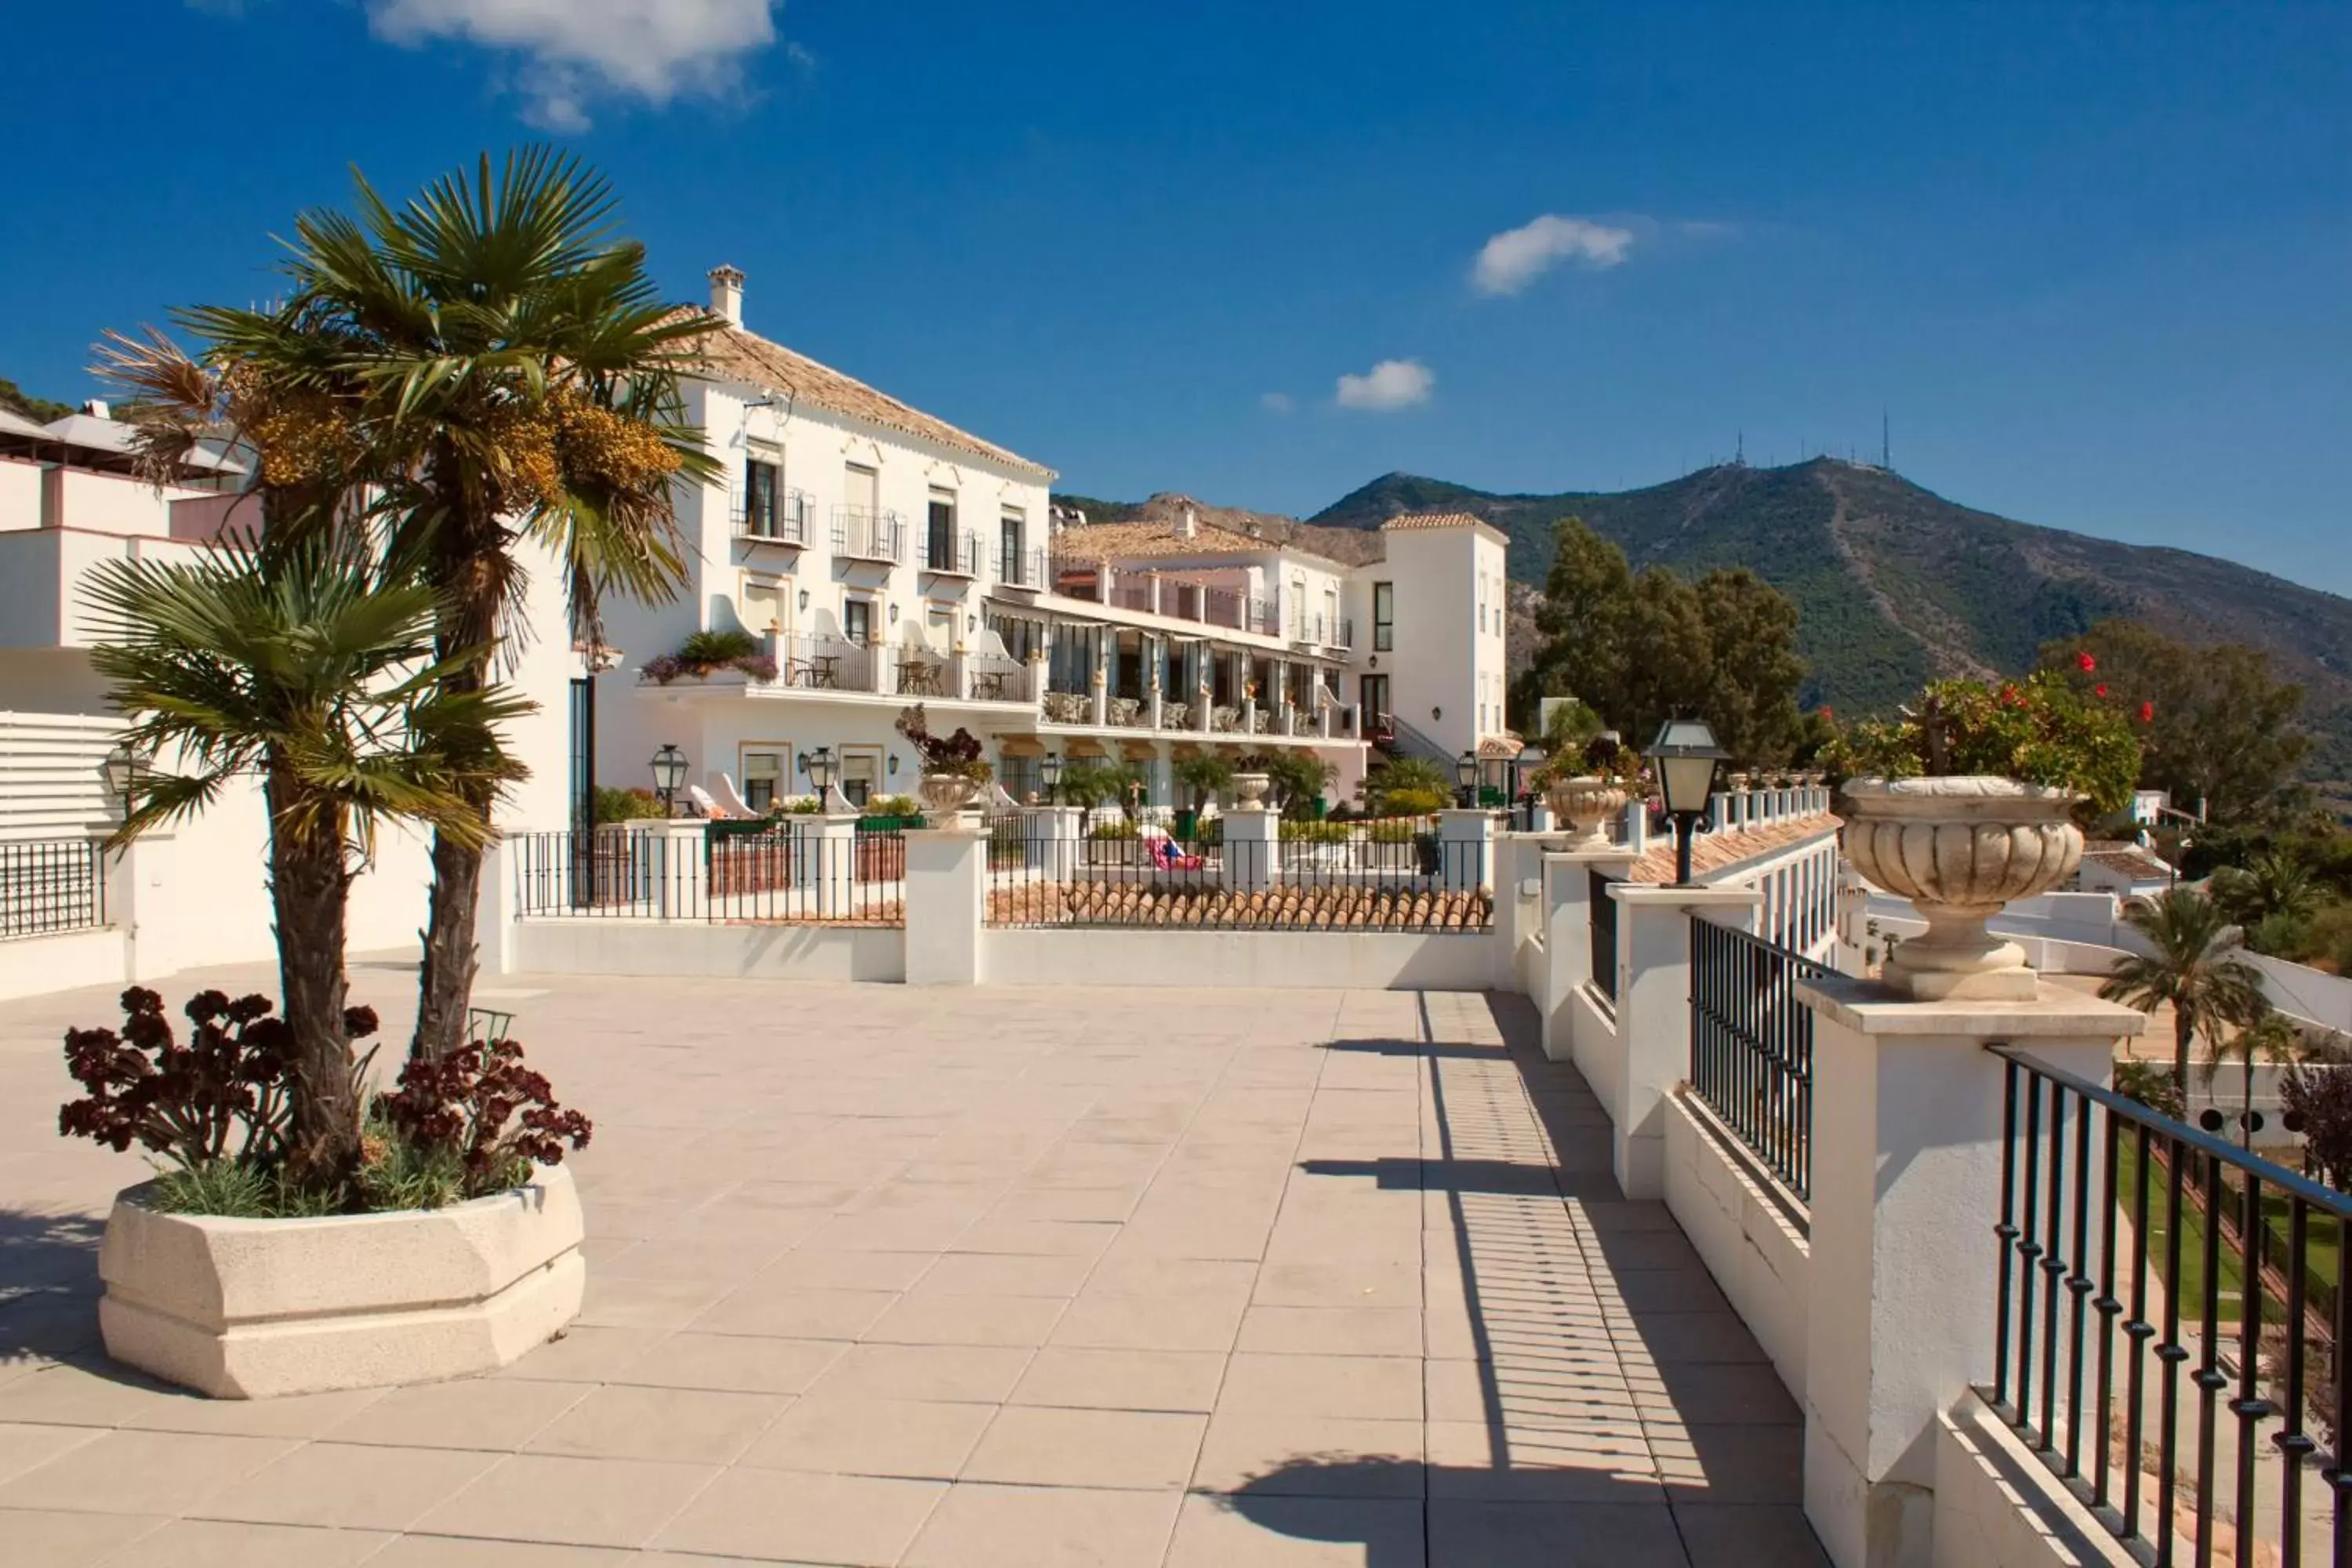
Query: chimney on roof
column 96, row 409
column 727, row 293
column 1187, row 526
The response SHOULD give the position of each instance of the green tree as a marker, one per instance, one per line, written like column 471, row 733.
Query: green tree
column 1416, row 779
column 520, row 374
column 306, row 668
column 2197, row 968
column 1296, row 779
column 40, row 410
column 2220, row 728
column 1204, row 774
column 1641, row 648
column 2273, row 882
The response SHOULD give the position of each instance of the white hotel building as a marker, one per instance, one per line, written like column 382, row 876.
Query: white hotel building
column 883, row 556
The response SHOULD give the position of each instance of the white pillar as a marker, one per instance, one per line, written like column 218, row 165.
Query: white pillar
column 1907, row 1155
column 1637, row 826
column 1253, row 848
column 1049, row 841
column 1466, row 850
column 677, row 868
column 824, row 864
column 1037, row 675
column 947, row 892
column 1653, row 1002
column 493, row 909
column 1568, row 934
column 136, row 885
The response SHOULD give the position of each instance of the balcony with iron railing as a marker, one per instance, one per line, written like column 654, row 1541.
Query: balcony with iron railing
column 866, row 534
column 1019, row 568
column 772, row 518
column 953, row 552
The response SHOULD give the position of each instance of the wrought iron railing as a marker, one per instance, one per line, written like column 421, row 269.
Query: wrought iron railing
column 730, row 873
column 51, row 885
column 780, row 519
column 2109, row 1209
column 952, row 550
column 863, row 533
column 1605, row 937
column 1752, row 1046
column 1390, row 875
column 1020, row 568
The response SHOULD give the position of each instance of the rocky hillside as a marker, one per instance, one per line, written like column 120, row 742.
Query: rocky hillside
column 1894, row 584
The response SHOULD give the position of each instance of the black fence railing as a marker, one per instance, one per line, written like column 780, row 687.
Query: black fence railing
column 1605, row 937
column 788, row 872
column 1389, row 875
column 2170, row 1366
column 1752, row 1046
column 51, row 885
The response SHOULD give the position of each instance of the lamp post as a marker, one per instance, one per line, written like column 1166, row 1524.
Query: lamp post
column 1465, row 777
column 818, row 766
column 1685, row 756
column 1049, row 771
column 669, row 771
column 1529, row 760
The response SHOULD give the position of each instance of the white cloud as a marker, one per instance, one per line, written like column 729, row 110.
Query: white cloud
column 574, row 52
column 1517, row 257
column 1276, row 402
column 1393, row 384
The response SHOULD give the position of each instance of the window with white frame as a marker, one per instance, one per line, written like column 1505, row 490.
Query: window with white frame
column 763, row 772
column 861, row 773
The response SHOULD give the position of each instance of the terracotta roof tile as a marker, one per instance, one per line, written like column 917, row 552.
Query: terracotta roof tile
column 735, row 355
column 1434, row 520
column 1714, row 851
column 1118, row 540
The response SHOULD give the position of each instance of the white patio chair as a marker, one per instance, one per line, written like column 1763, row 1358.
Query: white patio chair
column 730, row 797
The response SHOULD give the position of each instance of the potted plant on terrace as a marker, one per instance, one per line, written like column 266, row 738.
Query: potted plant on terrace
column 705, row 652
column 953, row 769
column 1966, row 802
column 302, row 1234
column 1586, row 785
column 1250, row 781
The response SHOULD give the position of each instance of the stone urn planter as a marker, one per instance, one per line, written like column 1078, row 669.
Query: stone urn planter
column 1960, row 848
column 253, row 1309
column 945, row 795
column 1249, row 791
column 1586, row 804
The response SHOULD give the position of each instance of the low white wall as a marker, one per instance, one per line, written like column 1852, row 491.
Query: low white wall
column 1366, row 960
column 2299, row 989
column 1593, row 1045
column 1757, row 1255
column 30, row 965
column 1996, row 1506
column 762, row 952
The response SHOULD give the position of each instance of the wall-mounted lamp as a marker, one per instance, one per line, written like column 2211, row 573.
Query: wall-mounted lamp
column 893, row 615
column 669, row 771
column 804, row 600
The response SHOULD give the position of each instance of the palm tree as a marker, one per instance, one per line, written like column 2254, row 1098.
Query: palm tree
column 2274, row 1038
column 304, row 667
column 2197, row 967
column 520, row 374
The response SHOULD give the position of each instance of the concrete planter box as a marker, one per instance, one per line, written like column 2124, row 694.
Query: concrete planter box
column 251, row 1308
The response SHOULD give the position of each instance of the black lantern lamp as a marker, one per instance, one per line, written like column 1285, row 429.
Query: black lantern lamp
column 1686, row 755
column 1049, row 771
column 1465, row 778
column 818, row 766
column 669, row 772
column 124, row 769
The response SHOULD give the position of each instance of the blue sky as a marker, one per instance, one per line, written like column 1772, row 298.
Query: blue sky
column 2091, row 260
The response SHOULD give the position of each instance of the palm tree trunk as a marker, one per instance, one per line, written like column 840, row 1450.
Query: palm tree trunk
column 308, row 894
column 2181, row 1035
column 445, row 981
column 2246, row 1121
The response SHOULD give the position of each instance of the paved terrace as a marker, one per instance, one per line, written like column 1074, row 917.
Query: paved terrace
column 1094, row 1277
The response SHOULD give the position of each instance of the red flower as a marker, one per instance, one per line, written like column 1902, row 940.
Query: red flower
column 1826, row 713
column 2100, row 690
column 2146, row 712
column 2010, row 697
column 2085, row 661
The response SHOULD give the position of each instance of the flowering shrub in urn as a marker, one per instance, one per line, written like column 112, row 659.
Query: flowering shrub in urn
column 1587, row 785
column 1966, row 801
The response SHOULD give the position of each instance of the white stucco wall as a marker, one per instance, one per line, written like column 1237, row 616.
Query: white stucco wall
column 1757, row 1255
column 1996, row 1506
column 1288, row 959
column 1446, row 663
column 761, row 951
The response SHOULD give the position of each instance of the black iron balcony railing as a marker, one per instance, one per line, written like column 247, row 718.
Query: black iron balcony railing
column 50, row 885
column 1752, row 1046
column 773, row 518
column 2131, row 1403
column 864, row 533
column 1605, row 937
column 1018, row 568
column 951, row 550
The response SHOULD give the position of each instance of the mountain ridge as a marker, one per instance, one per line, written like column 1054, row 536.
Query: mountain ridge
column 1895, row 583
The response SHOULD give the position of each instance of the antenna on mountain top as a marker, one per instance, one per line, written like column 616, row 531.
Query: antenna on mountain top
column 1885, row 448
column 1739, row 452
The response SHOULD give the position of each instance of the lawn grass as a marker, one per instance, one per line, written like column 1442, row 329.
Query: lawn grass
column 2188, row 1289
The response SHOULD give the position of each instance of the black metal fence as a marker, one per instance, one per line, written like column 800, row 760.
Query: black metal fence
column 1389, row 875
column 789, row 872
column 1604, row 936
column 2188, row 1390
column 51, row 885
column 1752, row 1046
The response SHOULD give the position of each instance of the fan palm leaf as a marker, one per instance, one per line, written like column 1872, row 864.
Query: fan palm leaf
column 2196, row 965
